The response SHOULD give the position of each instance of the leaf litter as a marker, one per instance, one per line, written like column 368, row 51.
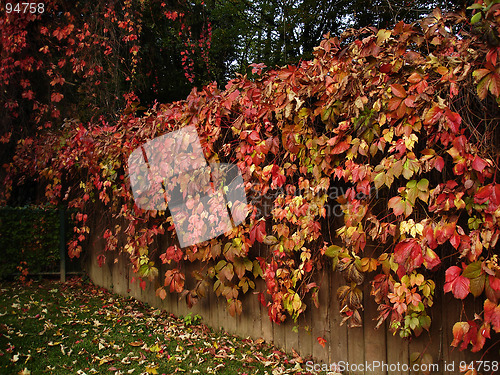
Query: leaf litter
column 79, row 328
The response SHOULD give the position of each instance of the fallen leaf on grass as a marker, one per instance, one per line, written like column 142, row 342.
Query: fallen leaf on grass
column 104, row 360
column 151, row 369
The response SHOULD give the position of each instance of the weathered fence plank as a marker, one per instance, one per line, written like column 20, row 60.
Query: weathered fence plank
column 375, row 347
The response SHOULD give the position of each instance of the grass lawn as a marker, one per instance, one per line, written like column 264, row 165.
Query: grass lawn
column 78, row 328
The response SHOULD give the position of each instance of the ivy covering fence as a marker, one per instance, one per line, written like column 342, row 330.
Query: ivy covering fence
column 402, row 121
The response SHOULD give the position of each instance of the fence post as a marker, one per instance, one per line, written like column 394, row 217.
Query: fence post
column 62, row 243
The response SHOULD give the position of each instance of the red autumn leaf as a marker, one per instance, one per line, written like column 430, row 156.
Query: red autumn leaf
column 479, row 164
column 439, row 163
column 175, row 279
column 489, row 193
column 428, row 233
column 253, row 137
column 492, row 314
column 321, row 341
column 101, row 259
column 483, row 194
column 57, row 81
column 410, row 101
column 480, row 339
column 59, row 33
column 460, row 329
column 456, row 283
column 172, row 253
column 258, row 232
column 257, row 68
column 398, row 90
column 494, row 283
column 444, row 232
column 433, row 115
column 468, row 333
column 408, row 253
column 262, row 299
column 431, row 259
column 231, row 98
column 340, row 147
column 492, row 56
column 28, row 95
column 455, row 240
column 278, row 178
column 453, row 120
column 56, row 97
column 394, row 104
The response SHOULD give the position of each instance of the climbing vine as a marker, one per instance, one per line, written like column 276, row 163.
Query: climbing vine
column 377, row 159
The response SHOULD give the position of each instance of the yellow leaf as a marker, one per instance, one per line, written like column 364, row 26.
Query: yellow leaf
column 105, row 360
column 382, row 36
column 151, row 370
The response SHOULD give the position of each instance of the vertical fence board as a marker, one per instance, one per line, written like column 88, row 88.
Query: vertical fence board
column 279, row 335
column 305, row 335
column 375, row 341
column 254, row 326
column 355, row 348
column 320, row 325
column 266, row 326
column 338, row 333
column 397, row 353
column 291, row 337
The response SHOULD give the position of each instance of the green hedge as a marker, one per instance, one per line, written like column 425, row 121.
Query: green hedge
column 31, row 235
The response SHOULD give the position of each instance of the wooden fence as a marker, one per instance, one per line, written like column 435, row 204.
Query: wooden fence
column 353, row 345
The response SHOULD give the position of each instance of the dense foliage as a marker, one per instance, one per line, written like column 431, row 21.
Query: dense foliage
column 394, row 127
column 29, row 239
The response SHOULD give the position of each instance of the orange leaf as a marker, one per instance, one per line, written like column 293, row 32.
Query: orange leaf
column 397, row 205
column 415, row 78
column 175, row 279
column 398, row 90
column 321, row 341
column 433, row 115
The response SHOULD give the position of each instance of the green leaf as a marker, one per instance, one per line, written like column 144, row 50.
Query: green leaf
column 473, row 270
column 411, row 184
column 475, row 18
column 425, row 322
column 477, row 285
column 423, row 184
column 475, row 6
column 333, row 251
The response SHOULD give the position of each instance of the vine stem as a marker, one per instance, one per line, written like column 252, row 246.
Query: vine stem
column 491, row 346
column 496, row 169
